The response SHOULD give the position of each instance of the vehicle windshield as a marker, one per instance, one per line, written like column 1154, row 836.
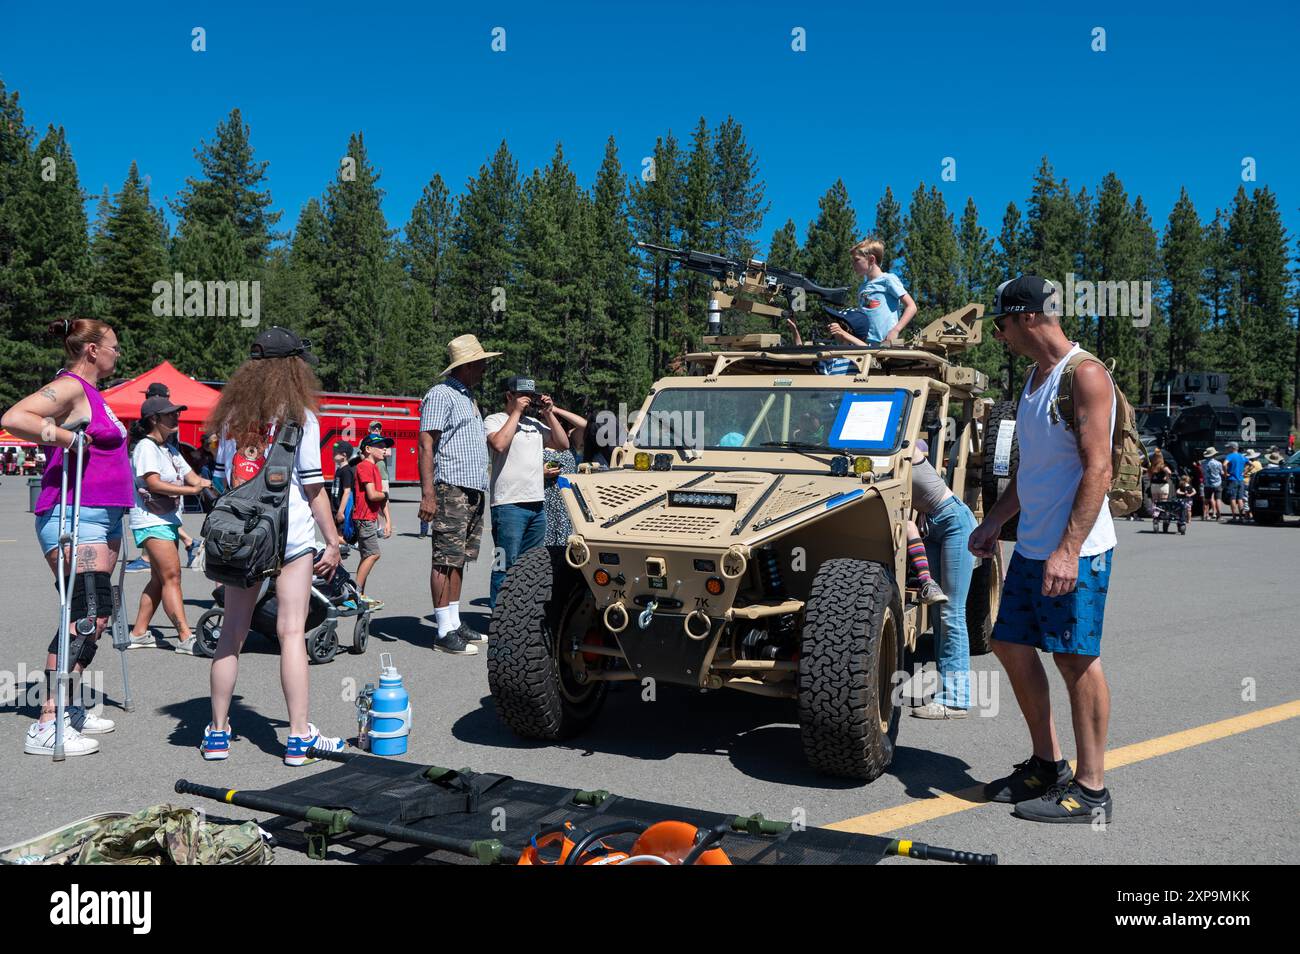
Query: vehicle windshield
column 774, row 419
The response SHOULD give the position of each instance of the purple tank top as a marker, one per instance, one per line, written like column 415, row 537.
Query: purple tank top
column 107, row 480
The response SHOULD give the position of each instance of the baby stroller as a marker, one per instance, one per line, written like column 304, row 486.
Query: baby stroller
column 1173, row 510
column 331, row 601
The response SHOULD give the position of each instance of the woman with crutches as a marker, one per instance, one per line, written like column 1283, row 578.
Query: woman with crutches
column 101, row 472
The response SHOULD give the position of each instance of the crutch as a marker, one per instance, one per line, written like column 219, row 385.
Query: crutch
column 121, row 635
column 78, row 429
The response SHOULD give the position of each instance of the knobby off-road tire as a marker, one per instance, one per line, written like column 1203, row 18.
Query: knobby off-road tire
column 1000, row 414
column 531, row 684
column 982, row 604
column 852, row 645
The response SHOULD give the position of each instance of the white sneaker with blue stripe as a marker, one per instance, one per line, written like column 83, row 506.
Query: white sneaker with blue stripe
column 295, row 751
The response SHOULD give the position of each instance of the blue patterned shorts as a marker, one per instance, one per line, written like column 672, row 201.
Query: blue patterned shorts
column 1055, row 624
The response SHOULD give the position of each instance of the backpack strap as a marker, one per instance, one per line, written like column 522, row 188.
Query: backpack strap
column 277, row 474
column 1065, row 387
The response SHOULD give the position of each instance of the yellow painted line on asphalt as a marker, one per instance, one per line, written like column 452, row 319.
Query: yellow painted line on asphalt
column 949, row 803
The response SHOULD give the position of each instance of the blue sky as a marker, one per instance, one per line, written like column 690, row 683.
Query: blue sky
column 1181, row 95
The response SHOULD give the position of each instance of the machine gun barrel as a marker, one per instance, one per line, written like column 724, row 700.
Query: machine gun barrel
column 719, row 266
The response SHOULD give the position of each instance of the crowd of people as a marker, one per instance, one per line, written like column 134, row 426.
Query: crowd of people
column 1221, row 481
column 505, row 467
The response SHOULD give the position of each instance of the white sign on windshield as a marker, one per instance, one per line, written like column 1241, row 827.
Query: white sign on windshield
column 866, row 421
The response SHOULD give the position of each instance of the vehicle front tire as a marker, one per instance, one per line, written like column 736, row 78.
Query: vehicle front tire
column 851, row 648
column 531, row 673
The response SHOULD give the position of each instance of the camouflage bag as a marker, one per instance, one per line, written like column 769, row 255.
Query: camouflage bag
column 60, row 846
column 173, row 835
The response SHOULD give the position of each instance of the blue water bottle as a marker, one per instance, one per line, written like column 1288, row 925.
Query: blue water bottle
column 390, row 712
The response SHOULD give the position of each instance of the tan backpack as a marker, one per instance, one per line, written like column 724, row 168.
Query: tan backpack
column 1128, row 457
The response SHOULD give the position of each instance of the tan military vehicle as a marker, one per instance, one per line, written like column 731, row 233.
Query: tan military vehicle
column 750, row 534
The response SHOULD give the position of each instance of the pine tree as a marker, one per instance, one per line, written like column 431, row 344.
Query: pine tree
column 1270, row 337
column 889, row 229
column 356, row 282
column 1055, row 233
column 976, row 279
column 739, row 192
column 930, row 251
column 655, row 203
column 427, row 259
column 827, row 257
column 48, row 270
column 1184, row 262
column 1012, row 261
column 209, row 345
column 484, row 265
column 783, row 250
column 230, row 189
column 698, row 226
column 1153, row 337
column 132, row 256
column 1112, row 264
column 617, row 368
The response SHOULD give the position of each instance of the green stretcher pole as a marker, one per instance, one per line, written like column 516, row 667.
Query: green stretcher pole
column 338, row 820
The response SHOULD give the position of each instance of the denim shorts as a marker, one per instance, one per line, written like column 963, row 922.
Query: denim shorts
column 1054, row 624
column 98, row 525
column 1232, row 490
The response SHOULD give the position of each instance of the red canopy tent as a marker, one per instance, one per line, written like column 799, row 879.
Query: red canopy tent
column 199, row 399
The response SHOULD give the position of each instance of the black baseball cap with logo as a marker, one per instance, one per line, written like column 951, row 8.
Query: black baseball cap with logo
column 158, row 404
column 375, row 440
column 158, row 389
column 522, row 385
column 1028, row 293
column 281, row 343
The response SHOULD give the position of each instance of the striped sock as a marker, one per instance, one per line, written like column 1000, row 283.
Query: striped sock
column 920, row 563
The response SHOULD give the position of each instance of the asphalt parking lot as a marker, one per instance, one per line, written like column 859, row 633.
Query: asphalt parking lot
column 1199, row 650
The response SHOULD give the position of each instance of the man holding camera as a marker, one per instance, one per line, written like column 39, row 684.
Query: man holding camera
column 515, row 440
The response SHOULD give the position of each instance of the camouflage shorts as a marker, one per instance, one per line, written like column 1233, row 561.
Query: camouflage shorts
column 457, row 527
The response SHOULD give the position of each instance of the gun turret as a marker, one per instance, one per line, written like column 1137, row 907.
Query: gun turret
column 757, row 279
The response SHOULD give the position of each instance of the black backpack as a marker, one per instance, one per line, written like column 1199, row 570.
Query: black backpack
column 244, row 536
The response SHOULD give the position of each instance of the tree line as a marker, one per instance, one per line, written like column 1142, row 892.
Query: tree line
column 544, row 270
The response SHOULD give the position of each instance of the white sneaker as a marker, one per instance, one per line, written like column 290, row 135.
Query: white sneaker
column 149, row 640
column 937, row 710
column 40, row 740
column 89, row 723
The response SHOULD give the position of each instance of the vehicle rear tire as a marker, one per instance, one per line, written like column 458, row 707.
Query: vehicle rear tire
column 531, row 674
column 851, row 647
column 982, row 604
column 1001, row 415
column 208, row 631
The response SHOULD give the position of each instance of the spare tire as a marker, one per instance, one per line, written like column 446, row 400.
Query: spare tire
column 1001, row 459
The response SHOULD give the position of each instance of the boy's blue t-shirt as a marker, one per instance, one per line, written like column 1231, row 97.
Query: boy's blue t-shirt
column 1235, row 464
column 878, row 308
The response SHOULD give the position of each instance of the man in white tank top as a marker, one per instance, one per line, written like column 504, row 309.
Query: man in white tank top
column 1054, row 597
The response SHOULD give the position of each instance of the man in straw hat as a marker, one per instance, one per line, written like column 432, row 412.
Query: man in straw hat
column 453, row 485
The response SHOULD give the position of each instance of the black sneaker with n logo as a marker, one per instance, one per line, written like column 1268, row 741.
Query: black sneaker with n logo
column 1031, row 779
column 1067, row 802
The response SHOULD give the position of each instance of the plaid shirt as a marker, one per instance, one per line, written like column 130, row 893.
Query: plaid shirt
column 461, row 457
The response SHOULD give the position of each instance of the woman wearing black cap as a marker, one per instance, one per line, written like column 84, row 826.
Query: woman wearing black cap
column 162, row 478
column 274, row 386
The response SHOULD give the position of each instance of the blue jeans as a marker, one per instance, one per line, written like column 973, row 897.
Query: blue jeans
column 951, row 564
column 516, row 528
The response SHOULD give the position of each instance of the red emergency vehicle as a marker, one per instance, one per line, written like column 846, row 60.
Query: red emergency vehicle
column 348, row 417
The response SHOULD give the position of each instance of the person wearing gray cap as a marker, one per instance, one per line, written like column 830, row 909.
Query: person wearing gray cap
column 162, row 478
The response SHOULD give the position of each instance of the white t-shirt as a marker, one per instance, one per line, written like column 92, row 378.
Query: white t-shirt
column 306, row 470
column 517, row 474
column 155, row 510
